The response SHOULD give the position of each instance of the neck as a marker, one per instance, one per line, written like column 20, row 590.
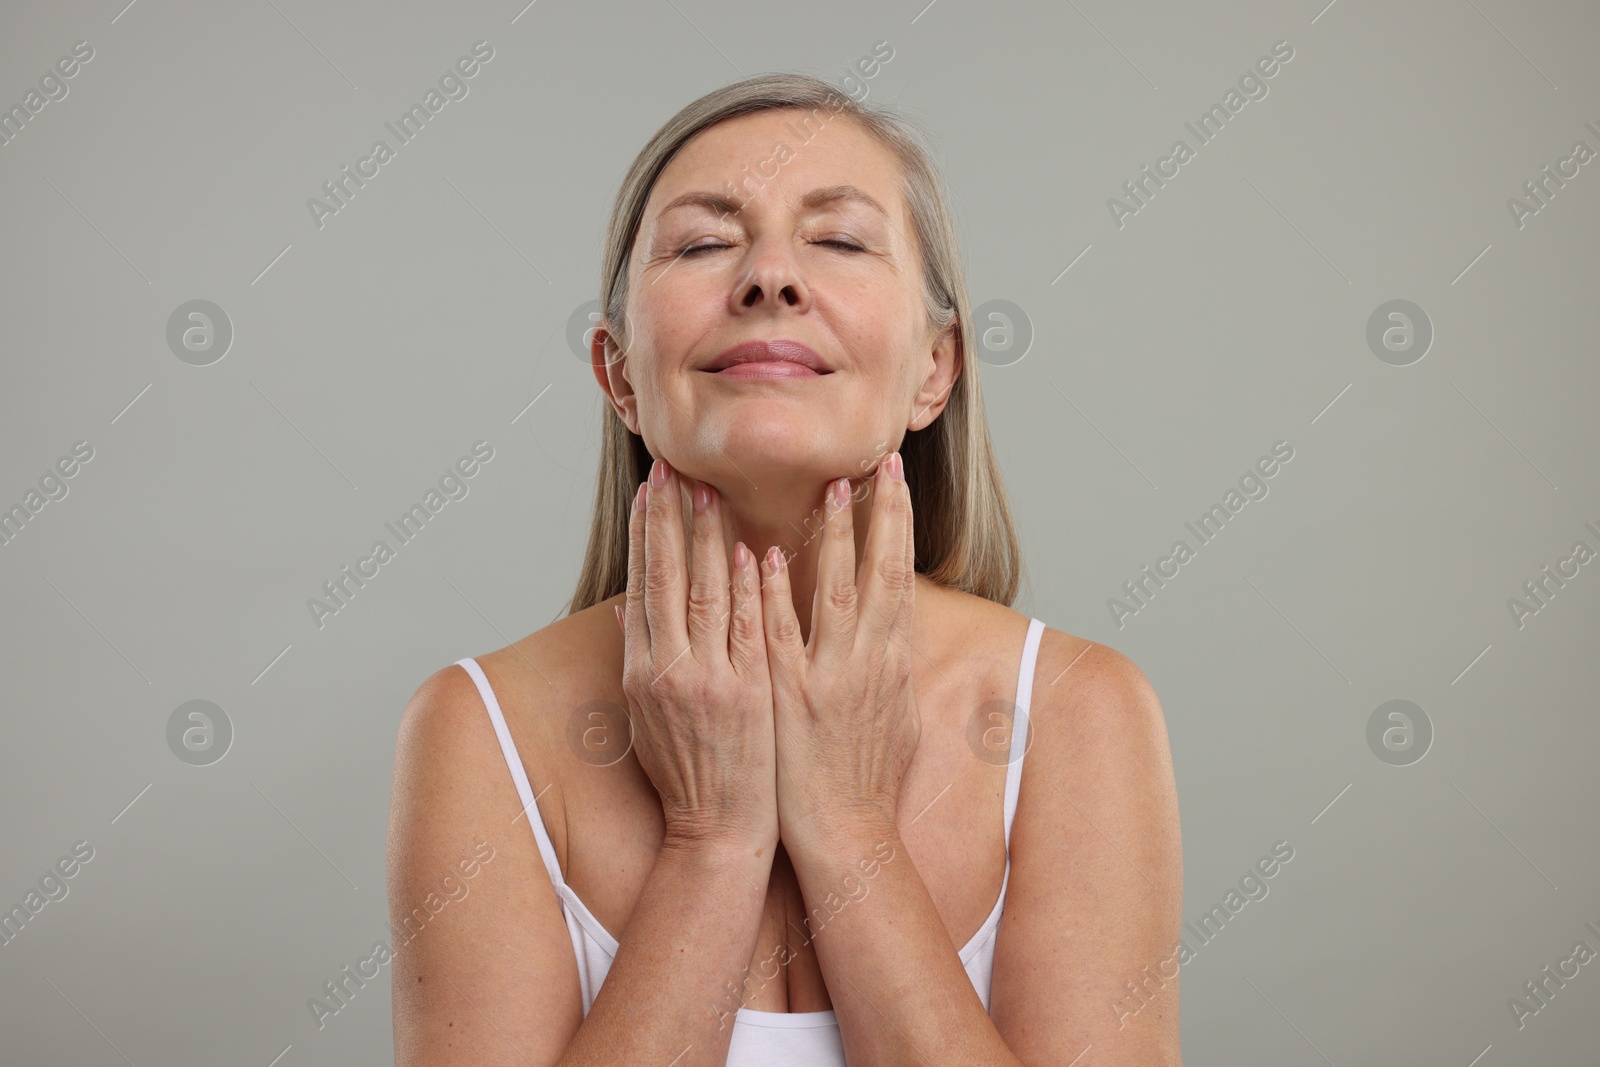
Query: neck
column 790, row 516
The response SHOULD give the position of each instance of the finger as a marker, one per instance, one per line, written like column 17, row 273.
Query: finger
column 902, row 628
column 786, row 653
column 665, row 585
column 708, row 577
column 885, row 569
column 833, row 615
column 635, row 629
column 747, row 640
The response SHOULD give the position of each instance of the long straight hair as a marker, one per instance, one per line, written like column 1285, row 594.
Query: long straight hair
column 963, row 531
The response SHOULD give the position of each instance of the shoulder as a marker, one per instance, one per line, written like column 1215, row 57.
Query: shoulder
column 447, row 750
column 568, row 654
column 1093, row 684
column 535, row 673
column 970, row 629
column 1099, row 764
column 1101, row 727
column 1097, row 865
column 1065, row 662
column 1087, row 699
column 452, row 800
column 1099, row 756
column 449, row 766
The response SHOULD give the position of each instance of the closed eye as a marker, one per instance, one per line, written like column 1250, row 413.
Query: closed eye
column 691, row 250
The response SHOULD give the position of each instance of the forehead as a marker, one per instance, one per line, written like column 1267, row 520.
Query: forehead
column 773, row 158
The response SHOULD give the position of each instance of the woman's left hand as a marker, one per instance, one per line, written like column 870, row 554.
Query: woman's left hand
column 844, row 712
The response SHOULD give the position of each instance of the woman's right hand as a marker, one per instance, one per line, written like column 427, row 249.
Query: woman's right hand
column 695, row 671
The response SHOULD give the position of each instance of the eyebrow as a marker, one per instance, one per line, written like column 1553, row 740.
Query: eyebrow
column 831, row 194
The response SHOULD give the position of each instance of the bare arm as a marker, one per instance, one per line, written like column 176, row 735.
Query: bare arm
column 1086, row 956
column 673, row 990
column 897, row 984
column 1085, row 959
column 490, row 978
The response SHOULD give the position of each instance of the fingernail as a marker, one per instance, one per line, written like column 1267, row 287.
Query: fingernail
column 774, row 561
column 658, row 473
column 618, row 609
column 841, row 491
column 741, row 555
column 638, row 497
column 897, row 469
column 702, row 498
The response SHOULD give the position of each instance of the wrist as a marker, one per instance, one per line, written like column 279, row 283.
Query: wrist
column 840, row 839
column 728, row 881
column 711, row 847
column 844, row 868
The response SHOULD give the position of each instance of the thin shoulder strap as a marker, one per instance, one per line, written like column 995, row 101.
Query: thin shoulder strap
column 1020, row 726
column 530, row 806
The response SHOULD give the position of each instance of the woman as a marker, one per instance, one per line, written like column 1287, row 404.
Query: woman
column 807, row 838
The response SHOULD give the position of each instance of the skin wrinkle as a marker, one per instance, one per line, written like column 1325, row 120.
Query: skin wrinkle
column 852, row 307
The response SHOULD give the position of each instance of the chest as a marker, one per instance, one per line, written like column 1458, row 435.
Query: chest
column 607, row 829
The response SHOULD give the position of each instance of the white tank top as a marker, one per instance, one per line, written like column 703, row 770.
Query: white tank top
column 799, row 1039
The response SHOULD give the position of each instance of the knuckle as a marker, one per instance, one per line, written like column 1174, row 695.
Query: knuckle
column 661, row 681
column 705, row 598
column 704, row 530
column 659, row 576
column 684, row 689
column 891, row 571
column 840, row 525
column 900, row 505
column 842, row 598
column 785, row 628
column 657, row 508
column 745, row 627
column 631, row 681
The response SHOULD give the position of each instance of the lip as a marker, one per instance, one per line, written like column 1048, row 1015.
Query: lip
column 779, row 358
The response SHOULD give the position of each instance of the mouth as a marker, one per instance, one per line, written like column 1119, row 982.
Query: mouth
column 768, row 359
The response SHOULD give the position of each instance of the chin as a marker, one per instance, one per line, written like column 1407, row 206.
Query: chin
column 778, row 439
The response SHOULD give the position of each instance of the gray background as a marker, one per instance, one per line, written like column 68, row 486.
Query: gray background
column 1229, row 313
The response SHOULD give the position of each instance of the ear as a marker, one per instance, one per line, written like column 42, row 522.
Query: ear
column 606, row 360
column 945, row 361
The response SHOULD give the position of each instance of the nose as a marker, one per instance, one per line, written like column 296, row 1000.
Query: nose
column 773, row 278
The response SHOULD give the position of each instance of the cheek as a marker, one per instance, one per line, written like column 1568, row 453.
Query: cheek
column 882, row 376
column 670, row 327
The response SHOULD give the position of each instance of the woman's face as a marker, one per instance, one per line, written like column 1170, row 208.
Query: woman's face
column 797, row 252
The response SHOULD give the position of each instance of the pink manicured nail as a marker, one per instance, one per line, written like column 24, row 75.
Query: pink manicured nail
column 702, row 498
column 774, row 560
column 741, row 555
column 897, row 469
column 658, row 473
column 638, row 498
column 841, row 492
